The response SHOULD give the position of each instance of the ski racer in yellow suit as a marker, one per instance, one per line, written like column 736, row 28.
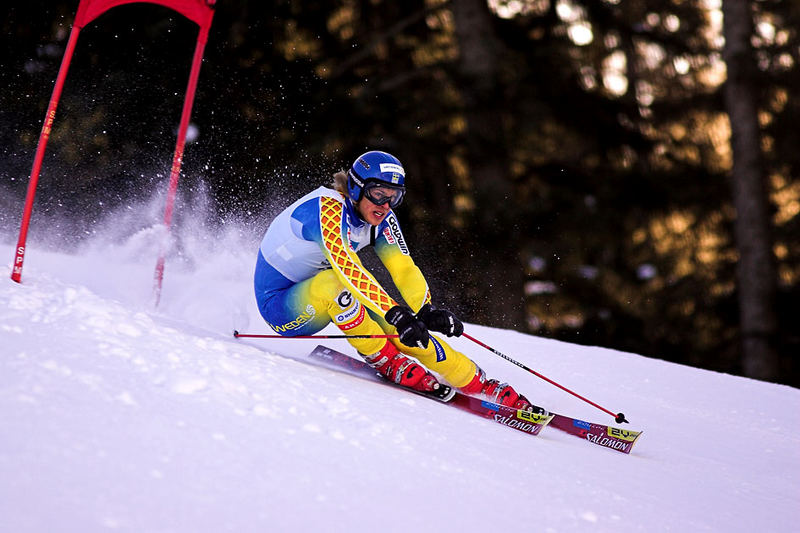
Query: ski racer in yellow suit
column 309, row 274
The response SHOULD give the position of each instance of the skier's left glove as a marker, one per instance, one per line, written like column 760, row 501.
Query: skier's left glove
column 412, row 330
column 441, row 320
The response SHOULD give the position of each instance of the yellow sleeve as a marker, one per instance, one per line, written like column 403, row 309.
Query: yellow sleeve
column 344, row 261
column 393, row 252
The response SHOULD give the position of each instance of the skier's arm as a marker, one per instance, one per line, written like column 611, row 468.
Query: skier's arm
column 393, row 252
column 344, row 261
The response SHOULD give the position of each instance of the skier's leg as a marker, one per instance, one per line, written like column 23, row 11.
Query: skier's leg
column 308, row 306
column 292, row 311
column 459, row 370
column 351, row 317
column 454, row 366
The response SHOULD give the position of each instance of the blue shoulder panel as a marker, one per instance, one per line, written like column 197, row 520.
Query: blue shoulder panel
column 307, row 214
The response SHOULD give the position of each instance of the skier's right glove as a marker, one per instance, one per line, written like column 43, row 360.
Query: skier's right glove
column 441, row 320
column 412, row 331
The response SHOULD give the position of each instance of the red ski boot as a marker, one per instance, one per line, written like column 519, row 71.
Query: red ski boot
column 504, row 394
column 497, row 392
column 401, row 369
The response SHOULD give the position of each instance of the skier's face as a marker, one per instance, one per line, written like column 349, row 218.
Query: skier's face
column 371, row 213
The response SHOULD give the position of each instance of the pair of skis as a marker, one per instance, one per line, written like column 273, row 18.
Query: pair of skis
column 617, row 439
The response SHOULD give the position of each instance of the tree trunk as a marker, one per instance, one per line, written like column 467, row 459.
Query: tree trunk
column 756, row 272
column 501, row 278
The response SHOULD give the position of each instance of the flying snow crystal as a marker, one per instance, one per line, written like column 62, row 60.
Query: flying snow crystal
column 192, row 132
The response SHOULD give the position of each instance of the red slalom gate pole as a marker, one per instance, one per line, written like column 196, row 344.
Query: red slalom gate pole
column 254, row 336
column 200, row 12
column 619, row 417
column 19, row 253
column 175, row 170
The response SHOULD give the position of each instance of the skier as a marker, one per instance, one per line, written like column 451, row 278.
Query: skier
column 308, row 274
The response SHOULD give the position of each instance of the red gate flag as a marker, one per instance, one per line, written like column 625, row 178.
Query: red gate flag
column 200, row 12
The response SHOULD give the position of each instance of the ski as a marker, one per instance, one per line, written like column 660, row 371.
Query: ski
column 617, row 439
column 340, row 362
column 531, row 423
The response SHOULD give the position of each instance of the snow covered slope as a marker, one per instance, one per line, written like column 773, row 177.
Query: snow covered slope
column 117, row 416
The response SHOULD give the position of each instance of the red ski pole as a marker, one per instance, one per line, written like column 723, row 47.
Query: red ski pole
column 619, row 417
column 255, row 336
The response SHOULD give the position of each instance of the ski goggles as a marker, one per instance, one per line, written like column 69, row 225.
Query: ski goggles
column 382, row 193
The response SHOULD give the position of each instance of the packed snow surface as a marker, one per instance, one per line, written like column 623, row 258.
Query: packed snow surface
column 116, row 415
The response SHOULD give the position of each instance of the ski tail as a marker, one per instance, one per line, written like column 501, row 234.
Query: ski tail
column 330, row 358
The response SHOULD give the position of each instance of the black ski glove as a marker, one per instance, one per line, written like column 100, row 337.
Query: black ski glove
column 441, row 320
column 412, row 330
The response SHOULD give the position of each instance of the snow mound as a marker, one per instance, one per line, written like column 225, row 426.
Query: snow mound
column 117, row 416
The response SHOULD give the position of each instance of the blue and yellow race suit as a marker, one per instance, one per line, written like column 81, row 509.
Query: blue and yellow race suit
column 309, row 274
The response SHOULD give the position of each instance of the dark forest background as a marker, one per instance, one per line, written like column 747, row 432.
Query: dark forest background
column 620, row 173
